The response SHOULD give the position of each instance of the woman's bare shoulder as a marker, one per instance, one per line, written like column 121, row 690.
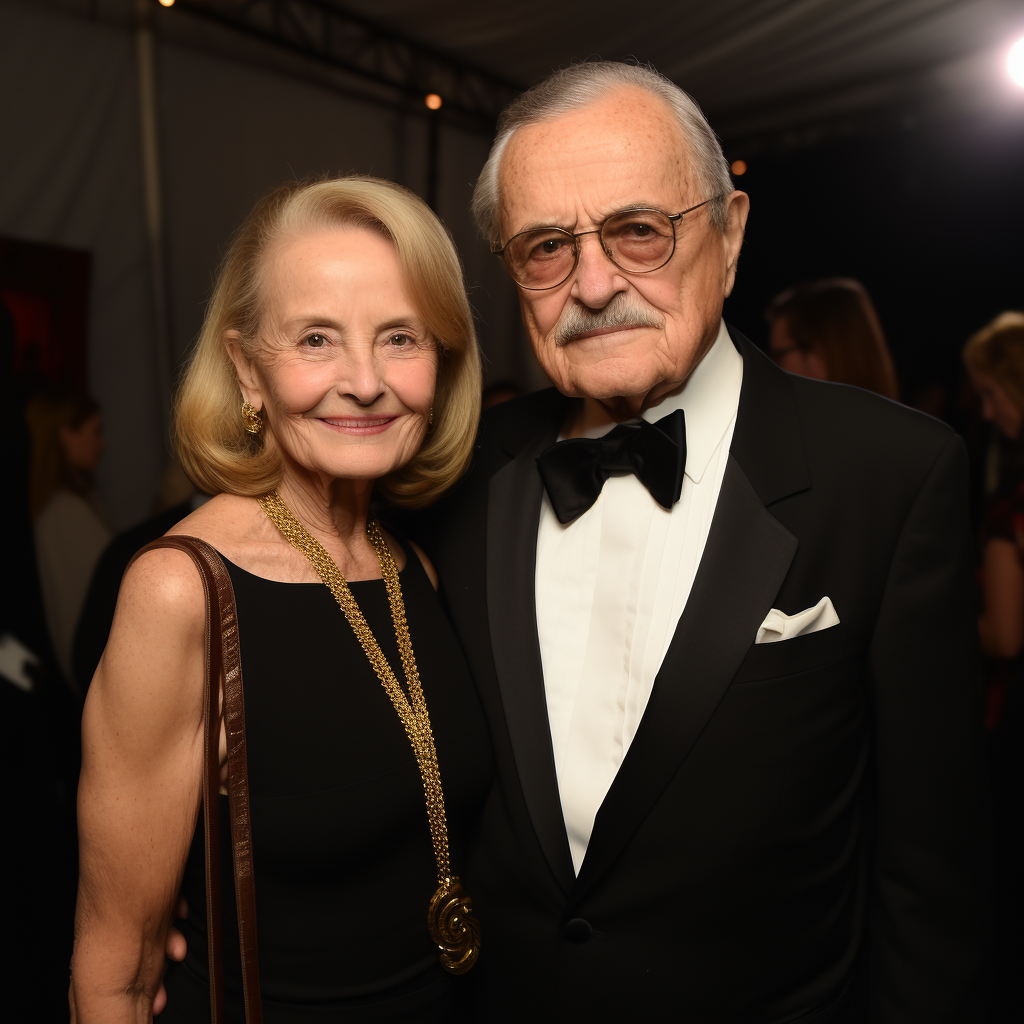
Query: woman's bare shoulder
column 225, row 519
column 233, row 525
column 165, row 582
column 149, row 683
column 161, row 585
column 162, row 598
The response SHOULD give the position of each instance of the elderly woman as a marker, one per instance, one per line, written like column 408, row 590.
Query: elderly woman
column 337, row 369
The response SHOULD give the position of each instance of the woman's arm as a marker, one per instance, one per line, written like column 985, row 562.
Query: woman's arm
column 1001, row 623
column 138, row 799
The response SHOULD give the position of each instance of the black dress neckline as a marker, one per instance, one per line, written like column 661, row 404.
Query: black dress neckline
column 409, row 555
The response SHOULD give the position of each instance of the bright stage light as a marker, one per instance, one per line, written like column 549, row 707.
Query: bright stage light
column 166, row 3
column 433, row 101
column 1015, row 62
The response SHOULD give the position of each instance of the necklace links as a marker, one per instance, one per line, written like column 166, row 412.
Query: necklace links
column 450, row 918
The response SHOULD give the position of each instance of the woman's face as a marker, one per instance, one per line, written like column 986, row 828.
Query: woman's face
column 346, row 372
column 996, row 405
column 790, row 356
column 84, row 446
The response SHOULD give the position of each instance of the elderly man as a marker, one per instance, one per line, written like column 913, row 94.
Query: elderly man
column 726, row 647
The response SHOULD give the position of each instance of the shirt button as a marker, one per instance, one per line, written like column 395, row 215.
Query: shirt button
column 578, row 930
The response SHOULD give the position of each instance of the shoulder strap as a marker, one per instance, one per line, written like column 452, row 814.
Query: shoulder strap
column 224, row 669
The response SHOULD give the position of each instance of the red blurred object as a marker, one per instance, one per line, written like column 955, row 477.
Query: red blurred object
column 46, row 288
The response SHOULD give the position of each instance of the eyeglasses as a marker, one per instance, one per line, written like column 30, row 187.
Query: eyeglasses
column 637, row 241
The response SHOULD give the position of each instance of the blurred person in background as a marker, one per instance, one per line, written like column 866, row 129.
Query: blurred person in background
column 995, row 362
column 829, row 330
column 176, row 498
column 39, row 746
column 70, row 527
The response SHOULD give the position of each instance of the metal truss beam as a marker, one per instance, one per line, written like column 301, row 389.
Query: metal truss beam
column 328, row 33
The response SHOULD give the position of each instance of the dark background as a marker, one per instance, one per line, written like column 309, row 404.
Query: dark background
column 927, row 216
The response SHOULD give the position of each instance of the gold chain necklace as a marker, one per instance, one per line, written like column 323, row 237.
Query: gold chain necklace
column 450, row 918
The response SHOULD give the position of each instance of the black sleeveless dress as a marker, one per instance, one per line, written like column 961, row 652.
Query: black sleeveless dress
column 342, row 857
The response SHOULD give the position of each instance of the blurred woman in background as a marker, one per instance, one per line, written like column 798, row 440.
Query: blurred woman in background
column 829, row 330
column 995, row 362
column 70, row 527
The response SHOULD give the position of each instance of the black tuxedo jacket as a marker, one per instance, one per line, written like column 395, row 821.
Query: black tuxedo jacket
column 798, row 830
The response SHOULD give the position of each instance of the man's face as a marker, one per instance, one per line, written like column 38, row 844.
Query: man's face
column 624, row 339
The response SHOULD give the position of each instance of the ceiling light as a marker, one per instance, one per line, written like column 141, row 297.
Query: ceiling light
column 1015, row 62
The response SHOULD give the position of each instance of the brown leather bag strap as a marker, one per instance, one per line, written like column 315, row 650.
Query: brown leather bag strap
column 224, row 675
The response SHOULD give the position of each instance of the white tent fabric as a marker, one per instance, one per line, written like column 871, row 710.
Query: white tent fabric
column 229, row 132
column 753, row 65
column 71, row 175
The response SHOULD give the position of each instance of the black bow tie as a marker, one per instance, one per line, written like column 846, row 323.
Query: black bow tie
column 574, row 471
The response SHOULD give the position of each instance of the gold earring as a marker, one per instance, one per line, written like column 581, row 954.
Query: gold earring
column 430, row 415
column 251, row 418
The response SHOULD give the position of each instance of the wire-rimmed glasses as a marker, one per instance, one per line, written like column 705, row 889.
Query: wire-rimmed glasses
column 638, row 241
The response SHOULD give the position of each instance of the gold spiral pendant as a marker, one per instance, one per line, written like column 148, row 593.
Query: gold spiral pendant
column 453, row 927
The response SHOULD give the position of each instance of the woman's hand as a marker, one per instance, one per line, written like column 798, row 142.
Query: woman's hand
column 175, row 949
column 139, row 795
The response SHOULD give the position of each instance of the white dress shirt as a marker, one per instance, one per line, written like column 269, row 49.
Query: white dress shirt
column 611, row 586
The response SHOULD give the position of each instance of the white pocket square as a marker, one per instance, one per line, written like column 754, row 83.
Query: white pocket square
column 780, row 626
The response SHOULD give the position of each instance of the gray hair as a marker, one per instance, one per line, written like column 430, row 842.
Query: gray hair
column 578, row 86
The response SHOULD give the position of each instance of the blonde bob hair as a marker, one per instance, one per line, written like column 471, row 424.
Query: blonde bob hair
column 209, row 434
column 998, row 349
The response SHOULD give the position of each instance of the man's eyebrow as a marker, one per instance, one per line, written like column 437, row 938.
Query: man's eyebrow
column 637, row 206
column 628, row 208
column 540, row 225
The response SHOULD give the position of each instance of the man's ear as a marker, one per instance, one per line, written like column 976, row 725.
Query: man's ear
column 247, row 381
column 737, row 206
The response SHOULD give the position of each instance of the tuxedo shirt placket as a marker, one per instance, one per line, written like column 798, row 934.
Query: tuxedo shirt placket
column 610, row 588
column 594, row 745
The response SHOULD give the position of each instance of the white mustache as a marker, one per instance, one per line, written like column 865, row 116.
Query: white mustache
column 623, row 311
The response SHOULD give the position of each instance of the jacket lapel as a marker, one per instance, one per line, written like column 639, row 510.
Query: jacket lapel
column 745, row 561
column 513, row 516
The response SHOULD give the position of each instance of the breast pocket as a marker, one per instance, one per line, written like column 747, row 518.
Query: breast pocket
column 799, row 654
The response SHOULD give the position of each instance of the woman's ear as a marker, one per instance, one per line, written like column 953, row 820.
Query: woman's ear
column 247, row 381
